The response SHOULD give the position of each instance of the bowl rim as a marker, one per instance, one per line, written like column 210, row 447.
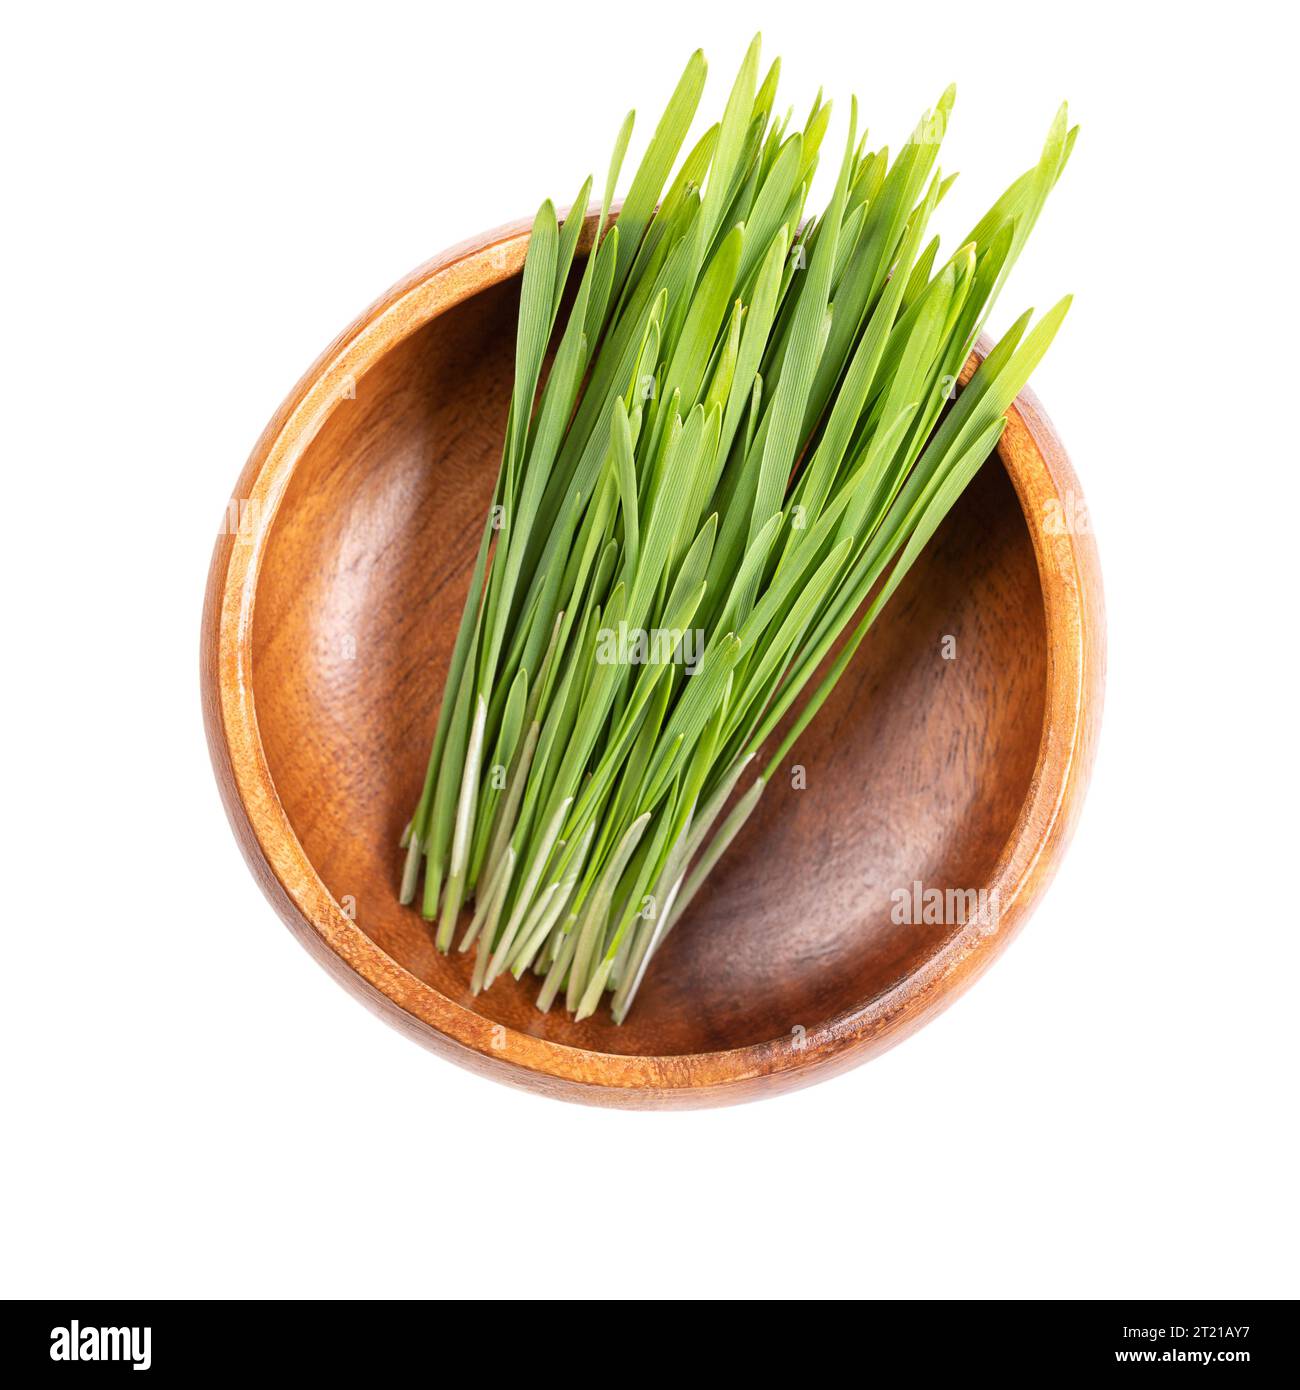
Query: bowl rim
column 1070, row 580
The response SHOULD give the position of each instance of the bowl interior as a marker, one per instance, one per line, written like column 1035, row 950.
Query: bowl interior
column 915, row 770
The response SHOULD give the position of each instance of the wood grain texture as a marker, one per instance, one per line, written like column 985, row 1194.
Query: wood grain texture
column 327, row 629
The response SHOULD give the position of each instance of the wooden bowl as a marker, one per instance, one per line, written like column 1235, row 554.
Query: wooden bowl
column 331, row 607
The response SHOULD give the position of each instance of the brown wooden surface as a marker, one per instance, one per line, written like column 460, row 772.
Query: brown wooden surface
column 327, row 630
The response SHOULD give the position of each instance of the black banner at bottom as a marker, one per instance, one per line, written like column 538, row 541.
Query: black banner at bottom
column 86, row 1340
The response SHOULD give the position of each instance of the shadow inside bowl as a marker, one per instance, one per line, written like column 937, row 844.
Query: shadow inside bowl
column 915, row 770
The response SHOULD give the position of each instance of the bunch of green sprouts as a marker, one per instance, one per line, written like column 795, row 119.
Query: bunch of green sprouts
column 749, row 431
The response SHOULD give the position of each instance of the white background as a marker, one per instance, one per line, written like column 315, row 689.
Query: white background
column 196, row 202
